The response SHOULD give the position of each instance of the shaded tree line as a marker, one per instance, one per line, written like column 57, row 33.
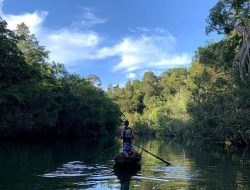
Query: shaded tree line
column 40, row 98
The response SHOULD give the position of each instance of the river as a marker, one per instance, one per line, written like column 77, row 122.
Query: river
column 60, row 164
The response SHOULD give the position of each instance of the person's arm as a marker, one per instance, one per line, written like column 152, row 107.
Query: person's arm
column 121, row 134
column 133, row 135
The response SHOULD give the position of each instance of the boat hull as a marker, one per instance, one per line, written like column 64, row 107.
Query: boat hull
column 133, row 160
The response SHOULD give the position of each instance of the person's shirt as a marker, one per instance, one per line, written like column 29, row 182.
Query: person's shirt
column 127, row 134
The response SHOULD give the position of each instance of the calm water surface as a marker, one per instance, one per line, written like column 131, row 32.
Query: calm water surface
column 61, row 165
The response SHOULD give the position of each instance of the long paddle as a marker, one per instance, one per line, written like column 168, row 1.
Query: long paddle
column 161, row 159
column 93, row 157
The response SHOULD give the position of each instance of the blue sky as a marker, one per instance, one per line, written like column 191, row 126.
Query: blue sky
column 115, row 39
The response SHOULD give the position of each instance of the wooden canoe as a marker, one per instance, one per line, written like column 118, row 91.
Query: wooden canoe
column 131, row 160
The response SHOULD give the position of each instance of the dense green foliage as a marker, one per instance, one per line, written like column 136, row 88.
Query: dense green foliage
column 219, row 104
column 155, row 104
column 39, row 98
column 208, row 101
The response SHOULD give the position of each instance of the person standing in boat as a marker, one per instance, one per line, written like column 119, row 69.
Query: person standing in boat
column 127, row 135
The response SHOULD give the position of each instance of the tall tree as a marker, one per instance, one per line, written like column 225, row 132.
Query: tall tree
column 227, row 14
column 32, row 51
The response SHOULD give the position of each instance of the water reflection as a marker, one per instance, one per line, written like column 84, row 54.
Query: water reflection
column 125, row 174
column 60, row 165
column 92, row 176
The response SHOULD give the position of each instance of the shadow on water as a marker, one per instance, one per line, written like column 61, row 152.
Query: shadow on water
column 125, row 174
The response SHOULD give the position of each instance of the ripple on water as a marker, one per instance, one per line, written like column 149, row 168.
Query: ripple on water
column 100, row 176
column 77, row 169
column 150, row 178
column 94, row 176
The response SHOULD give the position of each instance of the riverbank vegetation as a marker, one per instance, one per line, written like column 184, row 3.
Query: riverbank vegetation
column 208, row 101
column 39, row 98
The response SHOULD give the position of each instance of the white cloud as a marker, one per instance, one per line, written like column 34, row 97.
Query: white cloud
column 145, row 49
column 69, row 46
column 66, row 45
column 146, row 52
column 33, row 20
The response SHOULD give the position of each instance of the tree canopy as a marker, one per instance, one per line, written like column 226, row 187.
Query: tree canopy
column 227, row 14
column 39, row 98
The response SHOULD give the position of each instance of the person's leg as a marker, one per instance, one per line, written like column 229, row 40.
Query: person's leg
column 125, row 149
column 125, row 153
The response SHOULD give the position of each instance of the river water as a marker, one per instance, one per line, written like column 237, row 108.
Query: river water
column 62, row 165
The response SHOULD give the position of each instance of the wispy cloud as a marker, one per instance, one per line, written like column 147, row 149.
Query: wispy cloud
column 146, row 30
column 88, row 19
column 145, row 52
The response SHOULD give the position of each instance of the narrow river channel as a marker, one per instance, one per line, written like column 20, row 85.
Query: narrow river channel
column 60, row 165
